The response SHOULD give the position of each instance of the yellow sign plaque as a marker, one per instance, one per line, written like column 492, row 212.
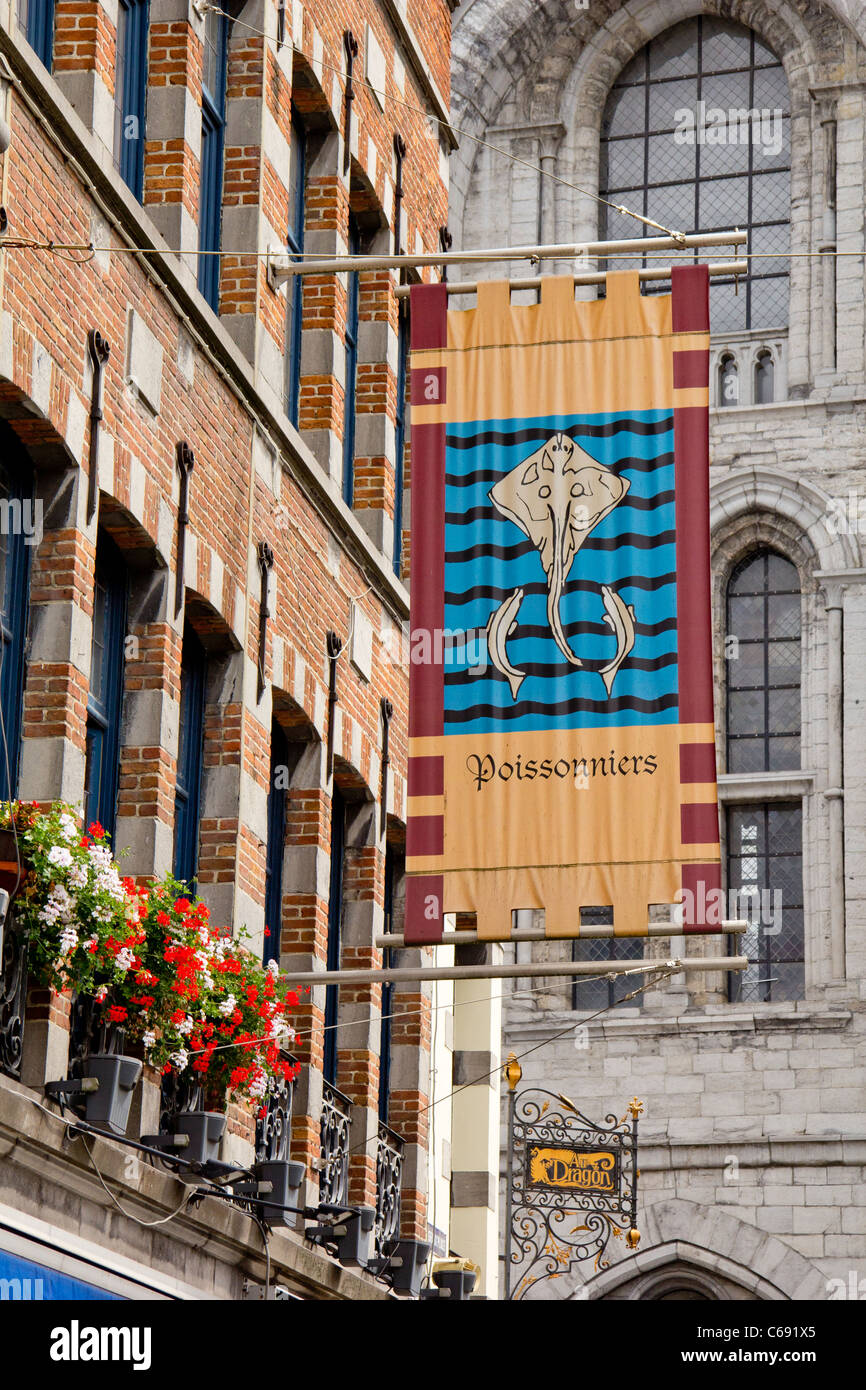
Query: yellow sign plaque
column 579, row 1170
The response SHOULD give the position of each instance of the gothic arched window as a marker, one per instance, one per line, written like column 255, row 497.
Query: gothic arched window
column 765, row 838
column 729, row 382
column 765, row 378
column 696, row 135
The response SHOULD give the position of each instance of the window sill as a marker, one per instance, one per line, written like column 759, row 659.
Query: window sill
column 764, row 786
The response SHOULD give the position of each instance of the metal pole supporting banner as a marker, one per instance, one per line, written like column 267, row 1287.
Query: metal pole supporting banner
column 545, row 969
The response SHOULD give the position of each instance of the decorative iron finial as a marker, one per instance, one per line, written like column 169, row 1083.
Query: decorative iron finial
column 512, row 1071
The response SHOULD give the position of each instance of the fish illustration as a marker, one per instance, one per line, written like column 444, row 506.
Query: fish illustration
column 499, row 626
column 619, row 617
column 557, row 496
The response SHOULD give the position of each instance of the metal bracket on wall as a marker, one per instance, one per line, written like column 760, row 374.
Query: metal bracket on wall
column 266, row 564
column 185, row 463
column 399, row 156
column 387, row 715
column 99, row 352
column 335, row 647
column 446, row 241
column 350, row 44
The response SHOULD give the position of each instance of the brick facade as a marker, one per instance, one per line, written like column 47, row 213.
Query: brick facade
column 180, row 372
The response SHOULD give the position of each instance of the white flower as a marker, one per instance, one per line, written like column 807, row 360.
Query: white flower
column 101, row 993
column 49, row 913
column 179, row 1059
column 59, row 855
column 258, row 1086
column 227, row 1006
column 68, row 940
column 124, row 958
column 185, row 1026
column 101, row 913
column 273, row 967
column 68, row 828
column 148, row 1038
column 100, row 855
column 77, row 876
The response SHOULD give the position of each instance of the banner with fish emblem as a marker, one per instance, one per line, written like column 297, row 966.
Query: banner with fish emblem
column 561, row 739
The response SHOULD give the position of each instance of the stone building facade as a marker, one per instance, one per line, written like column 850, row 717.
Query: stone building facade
column 203, row 636
column 754, row 1135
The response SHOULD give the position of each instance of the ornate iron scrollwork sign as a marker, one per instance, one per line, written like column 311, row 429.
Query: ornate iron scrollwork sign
column 571, row 1185
column 389, row 1187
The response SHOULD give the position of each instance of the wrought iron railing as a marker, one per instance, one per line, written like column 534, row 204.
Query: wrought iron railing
column 274, row 1128
column 13, row 992
column 334, row 1155
column 389, row 1187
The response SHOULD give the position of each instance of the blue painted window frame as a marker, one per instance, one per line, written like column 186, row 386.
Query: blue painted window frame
column 36, row 19
column 213, row 125
column 351, row 343
column 295, row 245
column 105, row 695
column 335, row 933
column 400, row 434
column 275, row 846
column 16, row 482
column 133, row 26
column 190, row 756
column 386, row 1025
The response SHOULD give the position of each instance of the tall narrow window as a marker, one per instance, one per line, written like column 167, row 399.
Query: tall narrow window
column 590, row 994
column 400, row 434
column 335, row 928
column 130, row 88
column 36, row 20
column 276, row 843
column 394, row 864
column 295, row 243
column 729, row 382
column 15, row 497
column 696, row 135
column 764, row 840
column 213, row 123
column 351, row 342
column 105, row 696
column 187, row 800
column 765, row 374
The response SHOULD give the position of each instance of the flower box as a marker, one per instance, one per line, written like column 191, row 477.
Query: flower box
column 108, row 1108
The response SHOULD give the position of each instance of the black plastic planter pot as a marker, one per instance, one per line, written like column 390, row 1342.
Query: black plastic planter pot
column 285, row 1178
column 205, row 1129
column 108, row 1108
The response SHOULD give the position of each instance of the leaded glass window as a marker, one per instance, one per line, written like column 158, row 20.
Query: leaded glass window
column 765, row 865
column 763, row 665
column 588, row 994
column 696, row 135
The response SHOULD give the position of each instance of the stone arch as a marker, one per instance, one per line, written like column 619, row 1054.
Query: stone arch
column 767, row 503
column 717, row 1248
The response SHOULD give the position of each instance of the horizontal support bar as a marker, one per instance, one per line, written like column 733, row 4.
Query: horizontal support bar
column 281, row 267
column 510, row 972
column 589, row 277
column 397, row 942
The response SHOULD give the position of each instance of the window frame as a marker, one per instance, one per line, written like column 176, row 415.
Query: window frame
column 104, row 713
column 133, row 31
column 36, row 19
column 400, row 422
column 190, row 760
column 335, row 933
column 609, row 948
column 295, row 246
column 14, row 612
column 213, row 128
column 767, row 640
column 350, row 341
column 276, row 816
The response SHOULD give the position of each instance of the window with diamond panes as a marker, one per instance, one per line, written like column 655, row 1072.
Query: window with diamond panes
column 588, row 994
column 763, row 665
column 662, row 156
column 765, row 866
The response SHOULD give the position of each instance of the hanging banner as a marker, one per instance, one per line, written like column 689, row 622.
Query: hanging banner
column 561, row 740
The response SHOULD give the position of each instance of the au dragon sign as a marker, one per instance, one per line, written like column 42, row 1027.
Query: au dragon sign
column 560, row 528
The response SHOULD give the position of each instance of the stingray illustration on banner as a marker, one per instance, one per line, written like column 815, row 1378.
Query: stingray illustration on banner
column 561, row 744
